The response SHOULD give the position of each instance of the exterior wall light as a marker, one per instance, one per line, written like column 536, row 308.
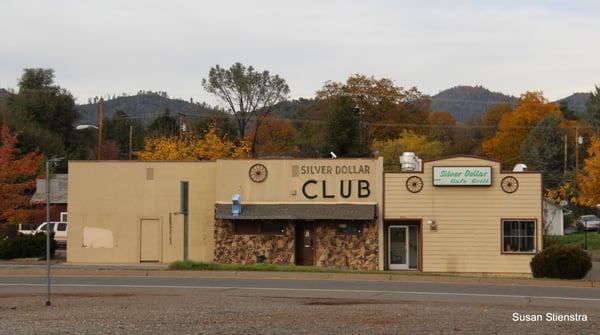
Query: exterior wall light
column 432, row 225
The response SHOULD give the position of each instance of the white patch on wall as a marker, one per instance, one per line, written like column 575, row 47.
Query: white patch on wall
column 97, row 238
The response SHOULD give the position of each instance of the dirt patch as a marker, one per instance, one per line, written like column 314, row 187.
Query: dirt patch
column 343, row 302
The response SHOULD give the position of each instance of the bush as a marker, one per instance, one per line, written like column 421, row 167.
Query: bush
column 24, row 246
column 561, row 261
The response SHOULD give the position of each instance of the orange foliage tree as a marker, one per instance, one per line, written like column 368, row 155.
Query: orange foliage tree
column 275, row 137
column 385, row 109
column 17, row 179
column 589, row 179
column 192, row 147
column 514, row 127
column 492, row 117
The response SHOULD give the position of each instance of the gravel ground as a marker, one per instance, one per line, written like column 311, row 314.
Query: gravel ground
column 230, row 312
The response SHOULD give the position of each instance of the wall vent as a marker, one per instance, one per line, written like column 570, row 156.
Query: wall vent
column 149, row 173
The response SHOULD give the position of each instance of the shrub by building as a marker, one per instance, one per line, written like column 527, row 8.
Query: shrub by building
column 561, row 261
column 25, row 246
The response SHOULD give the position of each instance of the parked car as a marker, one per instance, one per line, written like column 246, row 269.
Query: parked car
column 588, row 222
column 59, row 229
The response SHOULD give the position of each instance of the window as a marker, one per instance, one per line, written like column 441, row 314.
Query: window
column 62, row 226
column 42, row 227
column 246, row 228
column 349, row 228
column 63, row 216
column 518, row 236
column 273, row 228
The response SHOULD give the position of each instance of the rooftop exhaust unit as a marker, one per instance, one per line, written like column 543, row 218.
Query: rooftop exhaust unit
column 409, row 161
column 520, row 168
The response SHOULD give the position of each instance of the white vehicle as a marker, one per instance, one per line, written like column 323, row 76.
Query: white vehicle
column 588, row 222
column 59, row 229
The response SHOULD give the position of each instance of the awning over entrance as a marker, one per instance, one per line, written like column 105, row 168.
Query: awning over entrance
column 298, row 212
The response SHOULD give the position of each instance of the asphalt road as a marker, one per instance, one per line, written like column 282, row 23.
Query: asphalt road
column 489, row 294
column 167, row 305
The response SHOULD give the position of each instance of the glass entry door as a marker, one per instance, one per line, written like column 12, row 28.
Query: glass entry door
column 398, row 247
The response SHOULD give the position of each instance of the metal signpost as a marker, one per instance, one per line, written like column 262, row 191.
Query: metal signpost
column 184, row 208
column 48, row 163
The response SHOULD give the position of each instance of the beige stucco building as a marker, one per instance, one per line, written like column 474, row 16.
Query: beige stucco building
column 325, row 212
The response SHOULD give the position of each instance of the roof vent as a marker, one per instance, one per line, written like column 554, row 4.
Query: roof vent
column 409, row 161
column 520, row 168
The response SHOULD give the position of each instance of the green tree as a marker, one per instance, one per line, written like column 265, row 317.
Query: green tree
column 164, row 125
column 343, row 131
column 248, row 94
column 218, row 120
column 542, row 150
column 44, row 107
column 593, row 109
column 567, row 113
column 117, row 129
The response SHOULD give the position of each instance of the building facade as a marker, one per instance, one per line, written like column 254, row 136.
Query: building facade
column 342, row 213
column 462, row 214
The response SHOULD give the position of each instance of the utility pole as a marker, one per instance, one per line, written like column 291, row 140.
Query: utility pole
column 576, row 150
column 130, row 140
column 181, row 128
column 565, row 161
column 48, row 162
column 100, row 126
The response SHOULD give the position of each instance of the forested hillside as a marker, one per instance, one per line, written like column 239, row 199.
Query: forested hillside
column 465, row 101
column 144, row 106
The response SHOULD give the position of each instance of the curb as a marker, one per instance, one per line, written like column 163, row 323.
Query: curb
column 90, row 272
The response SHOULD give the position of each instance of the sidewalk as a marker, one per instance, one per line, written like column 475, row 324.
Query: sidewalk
column 38, row 268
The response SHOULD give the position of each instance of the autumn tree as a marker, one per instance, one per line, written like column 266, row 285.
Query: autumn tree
column 589, row 179
column 514, row 127
column 193, row 147
column 442, row 126
column 473, row 130
column 248, row 94
column 408, row 141
column 492, row 117
column 275, row 137
column 17, row 179
column 384, row 108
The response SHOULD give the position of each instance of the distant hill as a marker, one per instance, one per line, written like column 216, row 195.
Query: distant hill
column 292, row 109
column 576, row 102
column 143, row 106
column 4, row 95
column 465, row 101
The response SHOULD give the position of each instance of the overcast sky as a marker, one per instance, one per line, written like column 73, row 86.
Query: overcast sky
column 115, row 46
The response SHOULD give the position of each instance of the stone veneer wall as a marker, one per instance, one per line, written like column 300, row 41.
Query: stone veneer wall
column 351, row 251
column 244, row 249
column 333, row 249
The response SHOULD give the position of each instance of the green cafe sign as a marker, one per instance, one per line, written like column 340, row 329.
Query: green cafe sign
column 462, row 175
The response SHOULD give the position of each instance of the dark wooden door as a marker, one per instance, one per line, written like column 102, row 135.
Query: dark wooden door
column 305, row 244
